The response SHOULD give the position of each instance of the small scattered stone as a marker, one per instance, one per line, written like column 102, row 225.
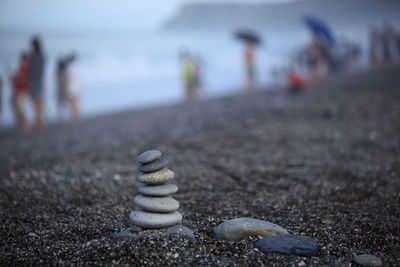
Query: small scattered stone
column 147, row 219
column 128, row 233
column 158, row 190
column 237, row 229
column 156, row 204
column 33, row 234
column 367, row 259
column 180, row 229
column 289, row 245
column 149, row 156
column 153, row 166
column 156, row 178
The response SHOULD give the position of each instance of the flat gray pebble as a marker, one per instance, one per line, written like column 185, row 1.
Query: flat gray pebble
column 289, row 245
column 158, row 190
column 146, row 219
column 156, row 204
column 149, row 156
column 153, row 166
column 367, row 260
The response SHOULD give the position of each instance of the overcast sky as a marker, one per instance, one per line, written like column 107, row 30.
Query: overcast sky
column 91, row 15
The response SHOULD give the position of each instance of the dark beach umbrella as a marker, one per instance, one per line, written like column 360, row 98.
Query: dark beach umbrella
column 320, row 29
column 248, row 36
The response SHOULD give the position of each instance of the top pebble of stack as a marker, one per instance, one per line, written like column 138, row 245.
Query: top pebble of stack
column 149, row 156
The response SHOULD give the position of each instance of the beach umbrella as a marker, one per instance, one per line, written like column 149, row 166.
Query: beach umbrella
column 248, row 36
column 320, row 29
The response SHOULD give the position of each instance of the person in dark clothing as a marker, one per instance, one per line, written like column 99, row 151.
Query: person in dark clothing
column 36, row 72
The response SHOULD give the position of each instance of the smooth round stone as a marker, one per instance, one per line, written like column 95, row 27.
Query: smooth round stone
column 367, row 260
column 181, row 230
column 289, row 245
column 156, row 204
column 149, row 156
column 147, row 219
column 156, row 178
column 153, row 166
column 237, row 229
column 158, row 190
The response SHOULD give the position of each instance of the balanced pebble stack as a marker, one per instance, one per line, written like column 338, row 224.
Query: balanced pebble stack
column 155, row 208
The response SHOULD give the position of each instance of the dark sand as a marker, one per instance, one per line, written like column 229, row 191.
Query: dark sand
column 325, row 164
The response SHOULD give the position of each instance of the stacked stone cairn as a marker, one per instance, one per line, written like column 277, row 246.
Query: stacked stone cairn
column 155, row 208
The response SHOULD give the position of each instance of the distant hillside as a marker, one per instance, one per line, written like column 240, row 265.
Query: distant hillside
column 285, row 16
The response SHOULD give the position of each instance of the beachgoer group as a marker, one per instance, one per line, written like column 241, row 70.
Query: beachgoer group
column 28, row 84
column 384, row 46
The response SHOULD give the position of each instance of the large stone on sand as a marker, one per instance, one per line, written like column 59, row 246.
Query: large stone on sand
column 237, row 229
column 289, row 245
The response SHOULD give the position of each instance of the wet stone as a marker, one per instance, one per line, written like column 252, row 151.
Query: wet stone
column 367, row 260
column 289, row 245
column 158, row 190
column 149, row 156
column 237, row 229
column 153, row 166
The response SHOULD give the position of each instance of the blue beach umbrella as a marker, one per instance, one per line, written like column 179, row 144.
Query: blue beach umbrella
column 320, row 29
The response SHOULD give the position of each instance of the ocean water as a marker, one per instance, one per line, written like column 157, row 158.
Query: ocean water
column 120, row 72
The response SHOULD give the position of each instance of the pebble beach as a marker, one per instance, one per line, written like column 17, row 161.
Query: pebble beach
column 324, row 164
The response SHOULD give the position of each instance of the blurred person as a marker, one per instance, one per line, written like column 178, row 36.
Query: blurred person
column 68, row 87
column 198, row 75
column 62, row 99
column 316, row 62
column 188, row 70
column 20, row 82
column 388, row 45
column 375, row 47
column 398, row 45
column 36, row 72
column 73, row 86
column 297, row 82
column 250, row 59
column 1, row 101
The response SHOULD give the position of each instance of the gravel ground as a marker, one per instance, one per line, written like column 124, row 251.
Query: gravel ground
column 325, row 164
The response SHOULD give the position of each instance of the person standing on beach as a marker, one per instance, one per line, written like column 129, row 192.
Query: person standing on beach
column 62, row 98
column 188, row 76
column 68, row 86
column 1, row 101
column 36, row 71
column 72, row 84
column 250, row 59
column 21, row 87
